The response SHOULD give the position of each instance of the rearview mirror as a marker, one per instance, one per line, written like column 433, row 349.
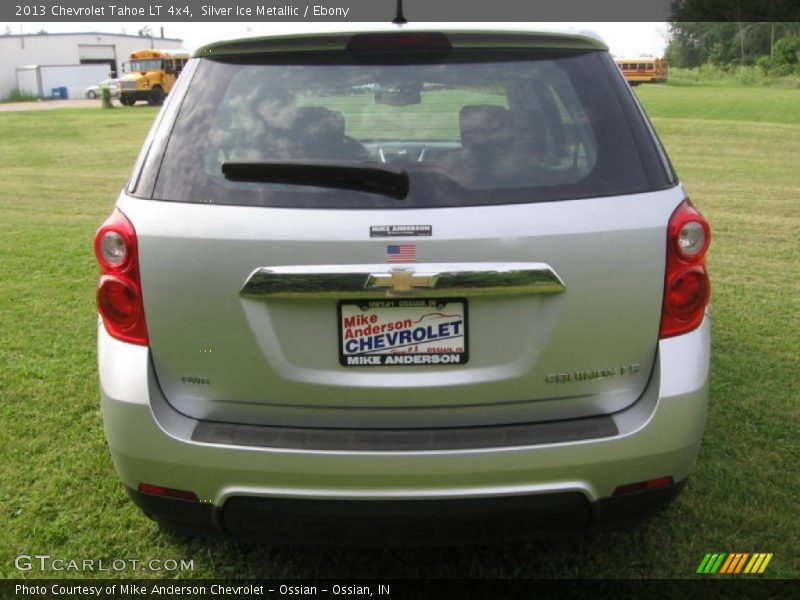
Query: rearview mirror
column 398, row 97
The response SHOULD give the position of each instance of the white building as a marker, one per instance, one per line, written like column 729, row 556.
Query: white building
column 49, row 49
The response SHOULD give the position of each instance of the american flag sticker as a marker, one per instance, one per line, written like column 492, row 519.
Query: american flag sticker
column 401, row 253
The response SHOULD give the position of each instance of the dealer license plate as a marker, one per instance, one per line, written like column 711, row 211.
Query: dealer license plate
column 403, row 332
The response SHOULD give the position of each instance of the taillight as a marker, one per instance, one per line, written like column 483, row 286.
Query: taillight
column 119, row 293
column 686, row 284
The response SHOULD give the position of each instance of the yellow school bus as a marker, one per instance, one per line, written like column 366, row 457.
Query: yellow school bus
column 150, row 75
column 643, row 70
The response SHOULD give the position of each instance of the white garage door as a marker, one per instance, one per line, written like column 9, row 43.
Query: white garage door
column 96, row 52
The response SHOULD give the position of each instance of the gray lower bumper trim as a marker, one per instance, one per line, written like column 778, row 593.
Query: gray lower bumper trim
column 393, row 440
column 399, row 523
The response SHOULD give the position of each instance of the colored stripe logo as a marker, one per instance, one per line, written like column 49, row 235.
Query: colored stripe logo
column 733, row 563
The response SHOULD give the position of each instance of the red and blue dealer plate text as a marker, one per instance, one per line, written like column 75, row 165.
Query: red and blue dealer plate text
column 403, row 332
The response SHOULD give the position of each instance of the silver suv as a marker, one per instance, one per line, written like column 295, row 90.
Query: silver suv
column 403, row 285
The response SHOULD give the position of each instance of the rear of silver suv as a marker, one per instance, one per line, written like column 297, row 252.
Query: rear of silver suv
column 389, row 285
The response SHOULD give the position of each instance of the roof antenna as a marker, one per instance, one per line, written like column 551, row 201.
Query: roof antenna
column 399, row 19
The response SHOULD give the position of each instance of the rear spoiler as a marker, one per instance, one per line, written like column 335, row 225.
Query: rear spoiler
column 326, row 42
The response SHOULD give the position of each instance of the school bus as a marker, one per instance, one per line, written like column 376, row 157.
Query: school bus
column 643, row 70
column 150, row 75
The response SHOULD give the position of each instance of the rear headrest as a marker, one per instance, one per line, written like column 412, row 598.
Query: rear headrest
column 483, row 125
column 318, row 123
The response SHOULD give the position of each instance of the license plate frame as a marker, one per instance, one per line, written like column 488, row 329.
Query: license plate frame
column 403, row 332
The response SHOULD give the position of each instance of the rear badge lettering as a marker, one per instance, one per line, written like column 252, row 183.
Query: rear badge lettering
column 401, row 231
column 589, row 374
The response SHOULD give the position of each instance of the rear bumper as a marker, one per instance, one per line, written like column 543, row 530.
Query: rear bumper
column 564, row 486
column 403, row 522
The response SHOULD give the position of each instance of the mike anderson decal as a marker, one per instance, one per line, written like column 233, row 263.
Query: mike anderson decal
column 401, row 231
column 403, row 332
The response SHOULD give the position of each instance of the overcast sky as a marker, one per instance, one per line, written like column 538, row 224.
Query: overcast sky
column 624, row 39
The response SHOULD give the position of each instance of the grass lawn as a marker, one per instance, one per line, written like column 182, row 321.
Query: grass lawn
column 737, row 151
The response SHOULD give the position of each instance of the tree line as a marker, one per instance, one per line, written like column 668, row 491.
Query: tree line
column 773, row 46
column 729, row 33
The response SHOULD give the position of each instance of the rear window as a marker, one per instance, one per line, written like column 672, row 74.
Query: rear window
column 494, row 128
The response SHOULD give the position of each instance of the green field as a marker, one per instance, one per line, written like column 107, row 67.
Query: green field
column 736, row 150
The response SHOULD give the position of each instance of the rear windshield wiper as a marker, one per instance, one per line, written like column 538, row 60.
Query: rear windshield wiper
column 362, row 177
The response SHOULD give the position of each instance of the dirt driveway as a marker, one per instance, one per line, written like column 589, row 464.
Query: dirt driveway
column 50, row 104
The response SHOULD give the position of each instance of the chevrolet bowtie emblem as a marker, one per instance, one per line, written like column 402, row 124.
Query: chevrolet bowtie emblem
column 400, row 281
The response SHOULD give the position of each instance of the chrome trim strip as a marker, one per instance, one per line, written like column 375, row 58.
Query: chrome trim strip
column 367, row 281
column 496, row 491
